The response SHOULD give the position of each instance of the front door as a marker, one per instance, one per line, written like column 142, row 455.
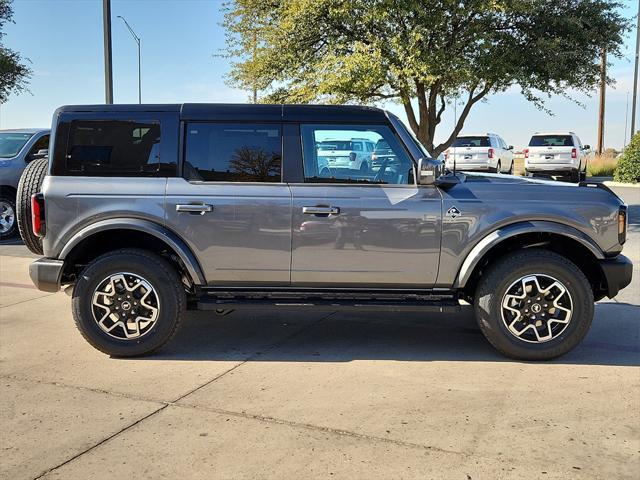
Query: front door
column 362, row 228
column 231, row 206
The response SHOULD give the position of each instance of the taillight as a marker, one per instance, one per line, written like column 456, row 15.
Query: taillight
column 526, row 153
column 574, row 153
column 37, row 214
column 491, row 153
column 622, row 225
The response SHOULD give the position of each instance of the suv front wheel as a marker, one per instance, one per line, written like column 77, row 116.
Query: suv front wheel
column 534, row 305
column 128, row 302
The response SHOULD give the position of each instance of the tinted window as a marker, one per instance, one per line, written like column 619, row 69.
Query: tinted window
column 551, row 141
column 12, row 143
column 471, row 142
column 388, row 165
column 41, row 144
column 233, row 152
column 113, row 147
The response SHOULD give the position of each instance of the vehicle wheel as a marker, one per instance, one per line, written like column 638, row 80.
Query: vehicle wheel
column 364, row 168
column 30, row 183
column 498, row 168
column 128, row 302
column 8, row 225
column 583, row 176
column 534, row 305
column 575, row 176
column 510, row 172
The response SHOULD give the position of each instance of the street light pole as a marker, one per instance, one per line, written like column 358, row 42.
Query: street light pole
column 108, row 71
column 635, row 76
column 137, row 39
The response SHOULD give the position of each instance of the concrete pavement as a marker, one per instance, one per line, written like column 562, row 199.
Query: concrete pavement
column 311, row 395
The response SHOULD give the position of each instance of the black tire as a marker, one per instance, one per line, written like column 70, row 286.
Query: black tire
column 8, row 215
column 575, row 175
column 510, row 172
column 494, row 285
column 498, row 168
column 167, row 285
column 364, row 168
column 30, row 183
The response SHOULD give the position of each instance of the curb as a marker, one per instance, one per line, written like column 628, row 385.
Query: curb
column 620, row 184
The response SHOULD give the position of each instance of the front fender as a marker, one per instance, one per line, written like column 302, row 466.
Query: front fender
column 171, row 239
column 534, row 226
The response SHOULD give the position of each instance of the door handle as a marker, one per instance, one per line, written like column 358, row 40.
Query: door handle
column 318, row 210
column 200, row 208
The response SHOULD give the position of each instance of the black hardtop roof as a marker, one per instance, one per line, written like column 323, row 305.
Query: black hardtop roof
column 246, row 112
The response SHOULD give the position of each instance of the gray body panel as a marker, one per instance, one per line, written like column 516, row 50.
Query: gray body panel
column 383, row 237
column 245, row 239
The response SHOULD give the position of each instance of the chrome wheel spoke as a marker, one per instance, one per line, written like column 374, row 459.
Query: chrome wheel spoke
column 125, row 306
column 536, row 308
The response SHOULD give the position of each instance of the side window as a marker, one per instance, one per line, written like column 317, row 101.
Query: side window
column 357, row 147
column 233, row 152
column 41, row 144
column 329, row 156
column 113, row 148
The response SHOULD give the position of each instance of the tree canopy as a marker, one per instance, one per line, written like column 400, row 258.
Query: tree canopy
column 14, row 73
column 420, row 53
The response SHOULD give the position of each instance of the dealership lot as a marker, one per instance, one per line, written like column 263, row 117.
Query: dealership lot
column 311, row 395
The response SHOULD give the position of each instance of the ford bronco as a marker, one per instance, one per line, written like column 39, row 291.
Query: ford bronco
column 145, row 211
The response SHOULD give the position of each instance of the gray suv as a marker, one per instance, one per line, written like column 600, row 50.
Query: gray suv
column 148, row 211
column 17, row 148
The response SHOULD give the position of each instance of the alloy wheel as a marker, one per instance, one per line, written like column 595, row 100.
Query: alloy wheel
column 537, row 308
column 7, row 217
column 125, row 306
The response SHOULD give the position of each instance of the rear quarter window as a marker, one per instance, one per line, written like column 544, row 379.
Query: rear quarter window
column 471, row 142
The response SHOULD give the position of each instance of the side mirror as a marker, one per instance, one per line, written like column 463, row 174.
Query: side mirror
column 586, row 147
column 510, row 147
column 428, row 171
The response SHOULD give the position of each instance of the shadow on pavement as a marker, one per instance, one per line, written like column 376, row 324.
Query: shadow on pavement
column 340, row 337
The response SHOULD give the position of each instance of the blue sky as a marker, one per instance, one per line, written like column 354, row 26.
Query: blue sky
column 63, row 40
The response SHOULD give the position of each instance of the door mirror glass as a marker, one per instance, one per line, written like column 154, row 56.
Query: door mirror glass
column 587, row 147
column 510, row 147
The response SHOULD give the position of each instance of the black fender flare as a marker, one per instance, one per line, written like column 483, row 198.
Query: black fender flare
column 534, row 226
column 171, row 239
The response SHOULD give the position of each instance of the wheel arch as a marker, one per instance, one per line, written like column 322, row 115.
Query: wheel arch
column 97, row 238
column 562, row 239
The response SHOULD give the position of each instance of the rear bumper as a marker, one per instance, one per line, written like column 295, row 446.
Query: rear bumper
column 470, row 167
column 551, row 167
column 46, row 273
column 617, row 272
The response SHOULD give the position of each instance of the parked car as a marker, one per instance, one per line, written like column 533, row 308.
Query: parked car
column 17, row 148
column 242, row 216
column 557, row 154
column 352, row 154
column 486, row 152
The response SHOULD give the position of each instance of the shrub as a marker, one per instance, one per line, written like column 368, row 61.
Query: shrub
column 629, row 164
column 602, row 165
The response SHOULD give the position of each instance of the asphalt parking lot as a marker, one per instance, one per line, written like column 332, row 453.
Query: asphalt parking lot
column 310, row 395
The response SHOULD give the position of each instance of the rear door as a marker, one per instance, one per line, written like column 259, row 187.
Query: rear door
column 231, row 205
column 374, row 229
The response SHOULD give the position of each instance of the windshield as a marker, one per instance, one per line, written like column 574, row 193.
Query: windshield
column 551, row 141
column 334, row 145
column 12, row 143
column 471, row 142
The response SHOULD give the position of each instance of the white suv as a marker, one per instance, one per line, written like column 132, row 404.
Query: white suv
column 354, row 154
column 488, row 152
column 558, row 154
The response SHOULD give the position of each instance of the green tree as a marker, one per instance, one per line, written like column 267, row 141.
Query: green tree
column 628, row 168
column 420, row 53
column 14, row 73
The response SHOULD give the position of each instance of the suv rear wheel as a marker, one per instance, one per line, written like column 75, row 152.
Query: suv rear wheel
column 128, row 302
column 534, row 305
column 8, row 224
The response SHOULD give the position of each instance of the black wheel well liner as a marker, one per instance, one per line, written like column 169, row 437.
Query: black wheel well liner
column 563, row 245
column 8, row 189
column 109, row 239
